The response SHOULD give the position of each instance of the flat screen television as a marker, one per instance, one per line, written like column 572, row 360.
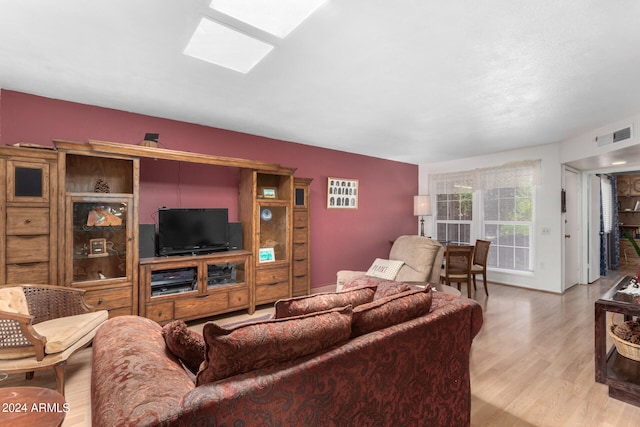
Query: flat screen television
column 192, row 231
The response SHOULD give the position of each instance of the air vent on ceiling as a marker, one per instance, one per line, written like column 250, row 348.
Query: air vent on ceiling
column 617, row 136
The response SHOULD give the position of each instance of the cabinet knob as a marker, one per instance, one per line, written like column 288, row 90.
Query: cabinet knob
column 27, row 221
column 99, row 301
column 160, row 313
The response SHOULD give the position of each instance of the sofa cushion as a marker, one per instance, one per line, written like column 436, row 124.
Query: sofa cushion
column 12, row 299
column 259, row 345
column 185, row 344
column 63, row 332
column 384, row 287
column 323, row 301
column 384, row 268
column 390, row 310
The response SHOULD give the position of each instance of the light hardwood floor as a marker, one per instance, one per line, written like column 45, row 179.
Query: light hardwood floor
column 532, row 363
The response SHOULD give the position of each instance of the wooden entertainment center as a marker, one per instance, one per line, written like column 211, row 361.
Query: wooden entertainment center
column 71, row 219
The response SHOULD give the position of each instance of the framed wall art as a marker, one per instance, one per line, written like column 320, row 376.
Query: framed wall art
column 342, row 193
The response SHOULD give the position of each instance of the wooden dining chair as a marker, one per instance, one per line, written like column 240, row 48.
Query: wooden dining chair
column 457, row 268
column 479, row 265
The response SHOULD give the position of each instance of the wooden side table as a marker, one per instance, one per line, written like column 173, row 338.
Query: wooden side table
column 622, row 375
column 31, row 406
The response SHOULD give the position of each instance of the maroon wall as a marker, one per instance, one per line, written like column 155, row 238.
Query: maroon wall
column 340, row 239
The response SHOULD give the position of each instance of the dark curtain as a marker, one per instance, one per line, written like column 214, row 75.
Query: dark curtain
column 603, row 239
column 615, row 232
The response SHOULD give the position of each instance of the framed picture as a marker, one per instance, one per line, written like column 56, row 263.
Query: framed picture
column 342, row 193
column 266, row 255
column 269, row 193
column 97, row 248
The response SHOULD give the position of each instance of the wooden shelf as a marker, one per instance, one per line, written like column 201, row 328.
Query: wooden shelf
column 114, row 148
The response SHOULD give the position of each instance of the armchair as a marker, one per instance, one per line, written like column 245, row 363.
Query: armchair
column 42, row 326
column 422, row 259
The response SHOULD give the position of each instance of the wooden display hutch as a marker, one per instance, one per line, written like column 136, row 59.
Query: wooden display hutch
column 265, row 206
column 101, row 180
column 100, row 222
column 28, row 215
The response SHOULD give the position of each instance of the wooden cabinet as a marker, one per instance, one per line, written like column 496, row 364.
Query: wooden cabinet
column 100, row 224
column 99, row 181
column 28, row 216
column 628, row 185
column 628, row 198
column 192, row 287
column 265, row 209
column 301, row 237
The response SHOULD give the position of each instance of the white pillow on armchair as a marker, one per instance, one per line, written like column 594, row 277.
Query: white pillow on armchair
column 385, row 268
column 382, row 268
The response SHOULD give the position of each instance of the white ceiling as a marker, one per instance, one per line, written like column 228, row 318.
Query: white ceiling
column 410, row 80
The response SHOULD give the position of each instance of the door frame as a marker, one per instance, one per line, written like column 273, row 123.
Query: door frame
column 573, row 208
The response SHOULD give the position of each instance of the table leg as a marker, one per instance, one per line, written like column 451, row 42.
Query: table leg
column 600, row 343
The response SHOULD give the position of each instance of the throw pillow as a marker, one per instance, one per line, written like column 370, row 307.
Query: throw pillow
column 323, row 301
column 185, row 344
column 264, row 344
column 384, row 268
column 390, row 310
column 384, row 287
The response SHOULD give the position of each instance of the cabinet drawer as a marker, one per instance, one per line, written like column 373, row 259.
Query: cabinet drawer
column 27, row 221
column 191, row 308
column 161, row 312
column 239, row 298
column 300, row 285
column 273, row 292
column 300, row 235
column 126, row 311
column 109, row 299
column 266, row 276
column 26, row 249
column 34, row 272
column 300, row 268
column 300, row 251
column 300, row 220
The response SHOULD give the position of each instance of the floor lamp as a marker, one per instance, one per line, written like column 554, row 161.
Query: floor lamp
column 422, row 208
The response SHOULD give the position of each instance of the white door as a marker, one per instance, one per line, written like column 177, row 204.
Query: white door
column 594, row 228
column 571, row 228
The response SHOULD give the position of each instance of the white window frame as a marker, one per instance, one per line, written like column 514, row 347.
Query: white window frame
column 506, row 176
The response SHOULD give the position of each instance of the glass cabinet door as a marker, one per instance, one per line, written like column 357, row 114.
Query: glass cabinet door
column 273, row 232
column 101, row 242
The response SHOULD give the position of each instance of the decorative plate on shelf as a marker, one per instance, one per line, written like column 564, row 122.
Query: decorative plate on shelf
column 266, row 214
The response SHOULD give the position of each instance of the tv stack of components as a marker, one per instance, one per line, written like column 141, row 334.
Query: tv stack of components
column 167, row 282
column 221, row 274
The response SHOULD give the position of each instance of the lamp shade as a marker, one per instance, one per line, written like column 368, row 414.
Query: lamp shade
column 422, row 205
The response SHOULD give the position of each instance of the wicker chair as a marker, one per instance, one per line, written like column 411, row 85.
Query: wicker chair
column 42, row 326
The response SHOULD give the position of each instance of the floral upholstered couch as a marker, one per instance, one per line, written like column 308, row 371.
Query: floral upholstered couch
column 388, row 360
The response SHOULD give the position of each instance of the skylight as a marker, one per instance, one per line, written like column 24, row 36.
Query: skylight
column 275, row 17
column 223, row 46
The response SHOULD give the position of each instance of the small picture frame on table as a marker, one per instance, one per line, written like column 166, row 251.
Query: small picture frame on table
column 269, row 193
column 266, row 255
column 97, row 248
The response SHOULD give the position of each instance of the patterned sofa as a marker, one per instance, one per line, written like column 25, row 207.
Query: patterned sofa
column 414, row 373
